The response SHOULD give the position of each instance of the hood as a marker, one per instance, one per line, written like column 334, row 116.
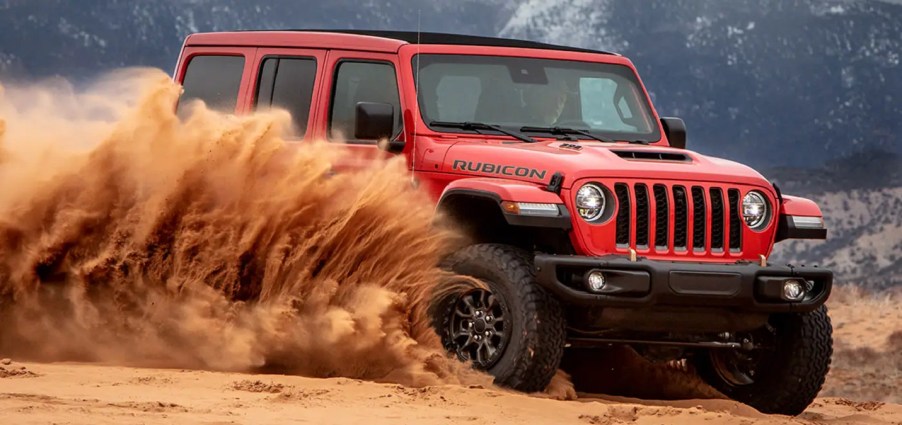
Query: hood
column 577, row 160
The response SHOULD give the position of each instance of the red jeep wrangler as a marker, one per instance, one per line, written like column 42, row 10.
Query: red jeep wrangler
column 591, row 223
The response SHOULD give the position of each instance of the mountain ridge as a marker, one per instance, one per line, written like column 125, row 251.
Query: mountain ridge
column 808, row 91
column 811, row 79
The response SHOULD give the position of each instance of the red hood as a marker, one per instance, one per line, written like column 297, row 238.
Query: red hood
column 578, row 160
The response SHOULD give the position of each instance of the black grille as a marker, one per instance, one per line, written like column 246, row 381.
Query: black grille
column 716, row 219
column 735, row 229
column 623, row 213
column 698, row 218
column 642, row 218
column 708, row 208
column 681, row 217
column 662, row 216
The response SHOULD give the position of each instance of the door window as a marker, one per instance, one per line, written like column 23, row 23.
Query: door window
column 214, row 80
column 287, row 83
column 361, row 82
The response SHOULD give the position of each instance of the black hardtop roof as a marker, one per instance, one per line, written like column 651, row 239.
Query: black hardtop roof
column 414, row 37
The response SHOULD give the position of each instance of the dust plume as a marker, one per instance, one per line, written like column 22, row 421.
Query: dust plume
column 131, row 235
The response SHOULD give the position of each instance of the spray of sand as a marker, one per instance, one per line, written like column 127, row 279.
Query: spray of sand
column 132, row 236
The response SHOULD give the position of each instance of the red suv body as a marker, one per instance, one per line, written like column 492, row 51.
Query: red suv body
column 553, row 151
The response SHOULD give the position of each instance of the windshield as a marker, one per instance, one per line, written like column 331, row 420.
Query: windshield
column 515, row 92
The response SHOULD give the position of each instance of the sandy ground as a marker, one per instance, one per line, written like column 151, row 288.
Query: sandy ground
column 863, row 387
column 867, row 357
column 77, row 393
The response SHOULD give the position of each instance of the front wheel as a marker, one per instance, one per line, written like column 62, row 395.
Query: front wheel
column 783, row 370
column 510, row 327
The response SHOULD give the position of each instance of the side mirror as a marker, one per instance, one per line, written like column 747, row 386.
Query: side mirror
column 675, row 129
column 374, row 121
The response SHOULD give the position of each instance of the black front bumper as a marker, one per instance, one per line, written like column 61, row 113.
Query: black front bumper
column 647, row 283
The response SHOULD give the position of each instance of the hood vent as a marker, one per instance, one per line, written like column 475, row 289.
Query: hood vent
column 652, row 156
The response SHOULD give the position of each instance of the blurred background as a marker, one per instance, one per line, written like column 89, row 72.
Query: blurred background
column 809, row 92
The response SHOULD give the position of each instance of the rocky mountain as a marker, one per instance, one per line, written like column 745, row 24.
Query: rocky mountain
column 865, row 238
column 810, row 79
column 767, row 82
column 861, row 198
column 808, row 90
column 79, row 39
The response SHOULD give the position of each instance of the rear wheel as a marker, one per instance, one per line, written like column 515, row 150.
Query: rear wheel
column 784, row 368
column 511, row 327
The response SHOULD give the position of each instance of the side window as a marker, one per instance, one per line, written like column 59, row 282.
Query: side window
column 214, row 80
column 361, row 82
column 624, row 108
column 287, row 83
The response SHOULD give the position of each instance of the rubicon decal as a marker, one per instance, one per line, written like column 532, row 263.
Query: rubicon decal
column 500, row 169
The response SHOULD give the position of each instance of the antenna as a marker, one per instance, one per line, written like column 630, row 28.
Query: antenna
column 416, row 115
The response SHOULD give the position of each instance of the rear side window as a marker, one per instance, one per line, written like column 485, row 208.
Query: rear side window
column 361, row 82
column 287, row 83
column 214, row 80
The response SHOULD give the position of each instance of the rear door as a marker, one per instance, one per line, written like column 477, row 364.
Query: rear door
column 289, row 79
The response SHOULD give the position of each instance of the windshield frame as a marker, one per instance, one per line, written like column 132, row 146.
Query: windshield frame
column 624, row 70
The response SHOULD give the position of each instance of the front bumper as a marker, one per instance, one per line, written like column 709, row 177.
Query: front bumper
column 648, row 283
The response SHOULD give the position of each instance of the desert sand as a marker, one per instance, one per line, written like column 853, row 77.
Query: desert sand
column 81, row 393
column 863, row 387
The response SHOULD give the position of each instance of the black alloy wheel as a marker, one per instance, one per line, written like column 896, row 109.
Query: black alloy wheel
column 477, row 328
column 506, row 325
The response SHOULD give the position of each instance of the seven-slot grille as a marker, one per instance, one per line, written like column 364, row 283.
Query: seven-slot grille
column 683, row 217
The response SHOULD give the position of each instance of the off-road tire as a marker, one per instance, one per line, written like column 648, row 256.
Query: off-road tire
column 535, row 344
column 794, row 373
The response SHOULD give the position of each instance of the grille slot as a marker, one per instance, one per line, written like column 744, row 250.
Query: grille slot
column 662, row 216
column 716, row 219
column 681, row 217
column 698, row 218
column 623, row 214
column 642, row 218
column 735, row 229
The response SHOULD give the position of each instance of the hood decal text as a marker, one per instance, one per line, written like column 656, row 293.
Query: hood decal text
column 500, row 169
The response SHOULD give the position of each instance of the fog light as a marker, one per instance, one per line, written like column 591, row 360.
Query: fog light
column 595, row 280
column 793, row 290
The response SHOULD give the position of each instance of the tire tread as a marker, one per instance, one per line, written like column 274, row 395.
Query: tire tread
column 537, row 361
column 791, row 386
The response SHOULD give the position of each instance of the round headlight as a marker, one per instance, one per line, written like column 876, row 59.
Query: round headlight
column 590, row 202
column 754, row 210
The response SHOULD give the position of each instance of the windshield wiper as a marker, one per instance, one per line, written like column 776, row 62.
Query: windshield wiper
column 476, row 126
column 565, row 131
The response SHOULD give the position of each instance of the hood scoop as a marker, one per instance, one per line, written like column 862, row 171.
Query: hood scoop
column 644, row 155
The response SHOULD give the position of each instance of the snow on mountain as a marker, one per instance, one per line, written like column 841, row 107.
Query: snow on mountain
column 583, row 23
